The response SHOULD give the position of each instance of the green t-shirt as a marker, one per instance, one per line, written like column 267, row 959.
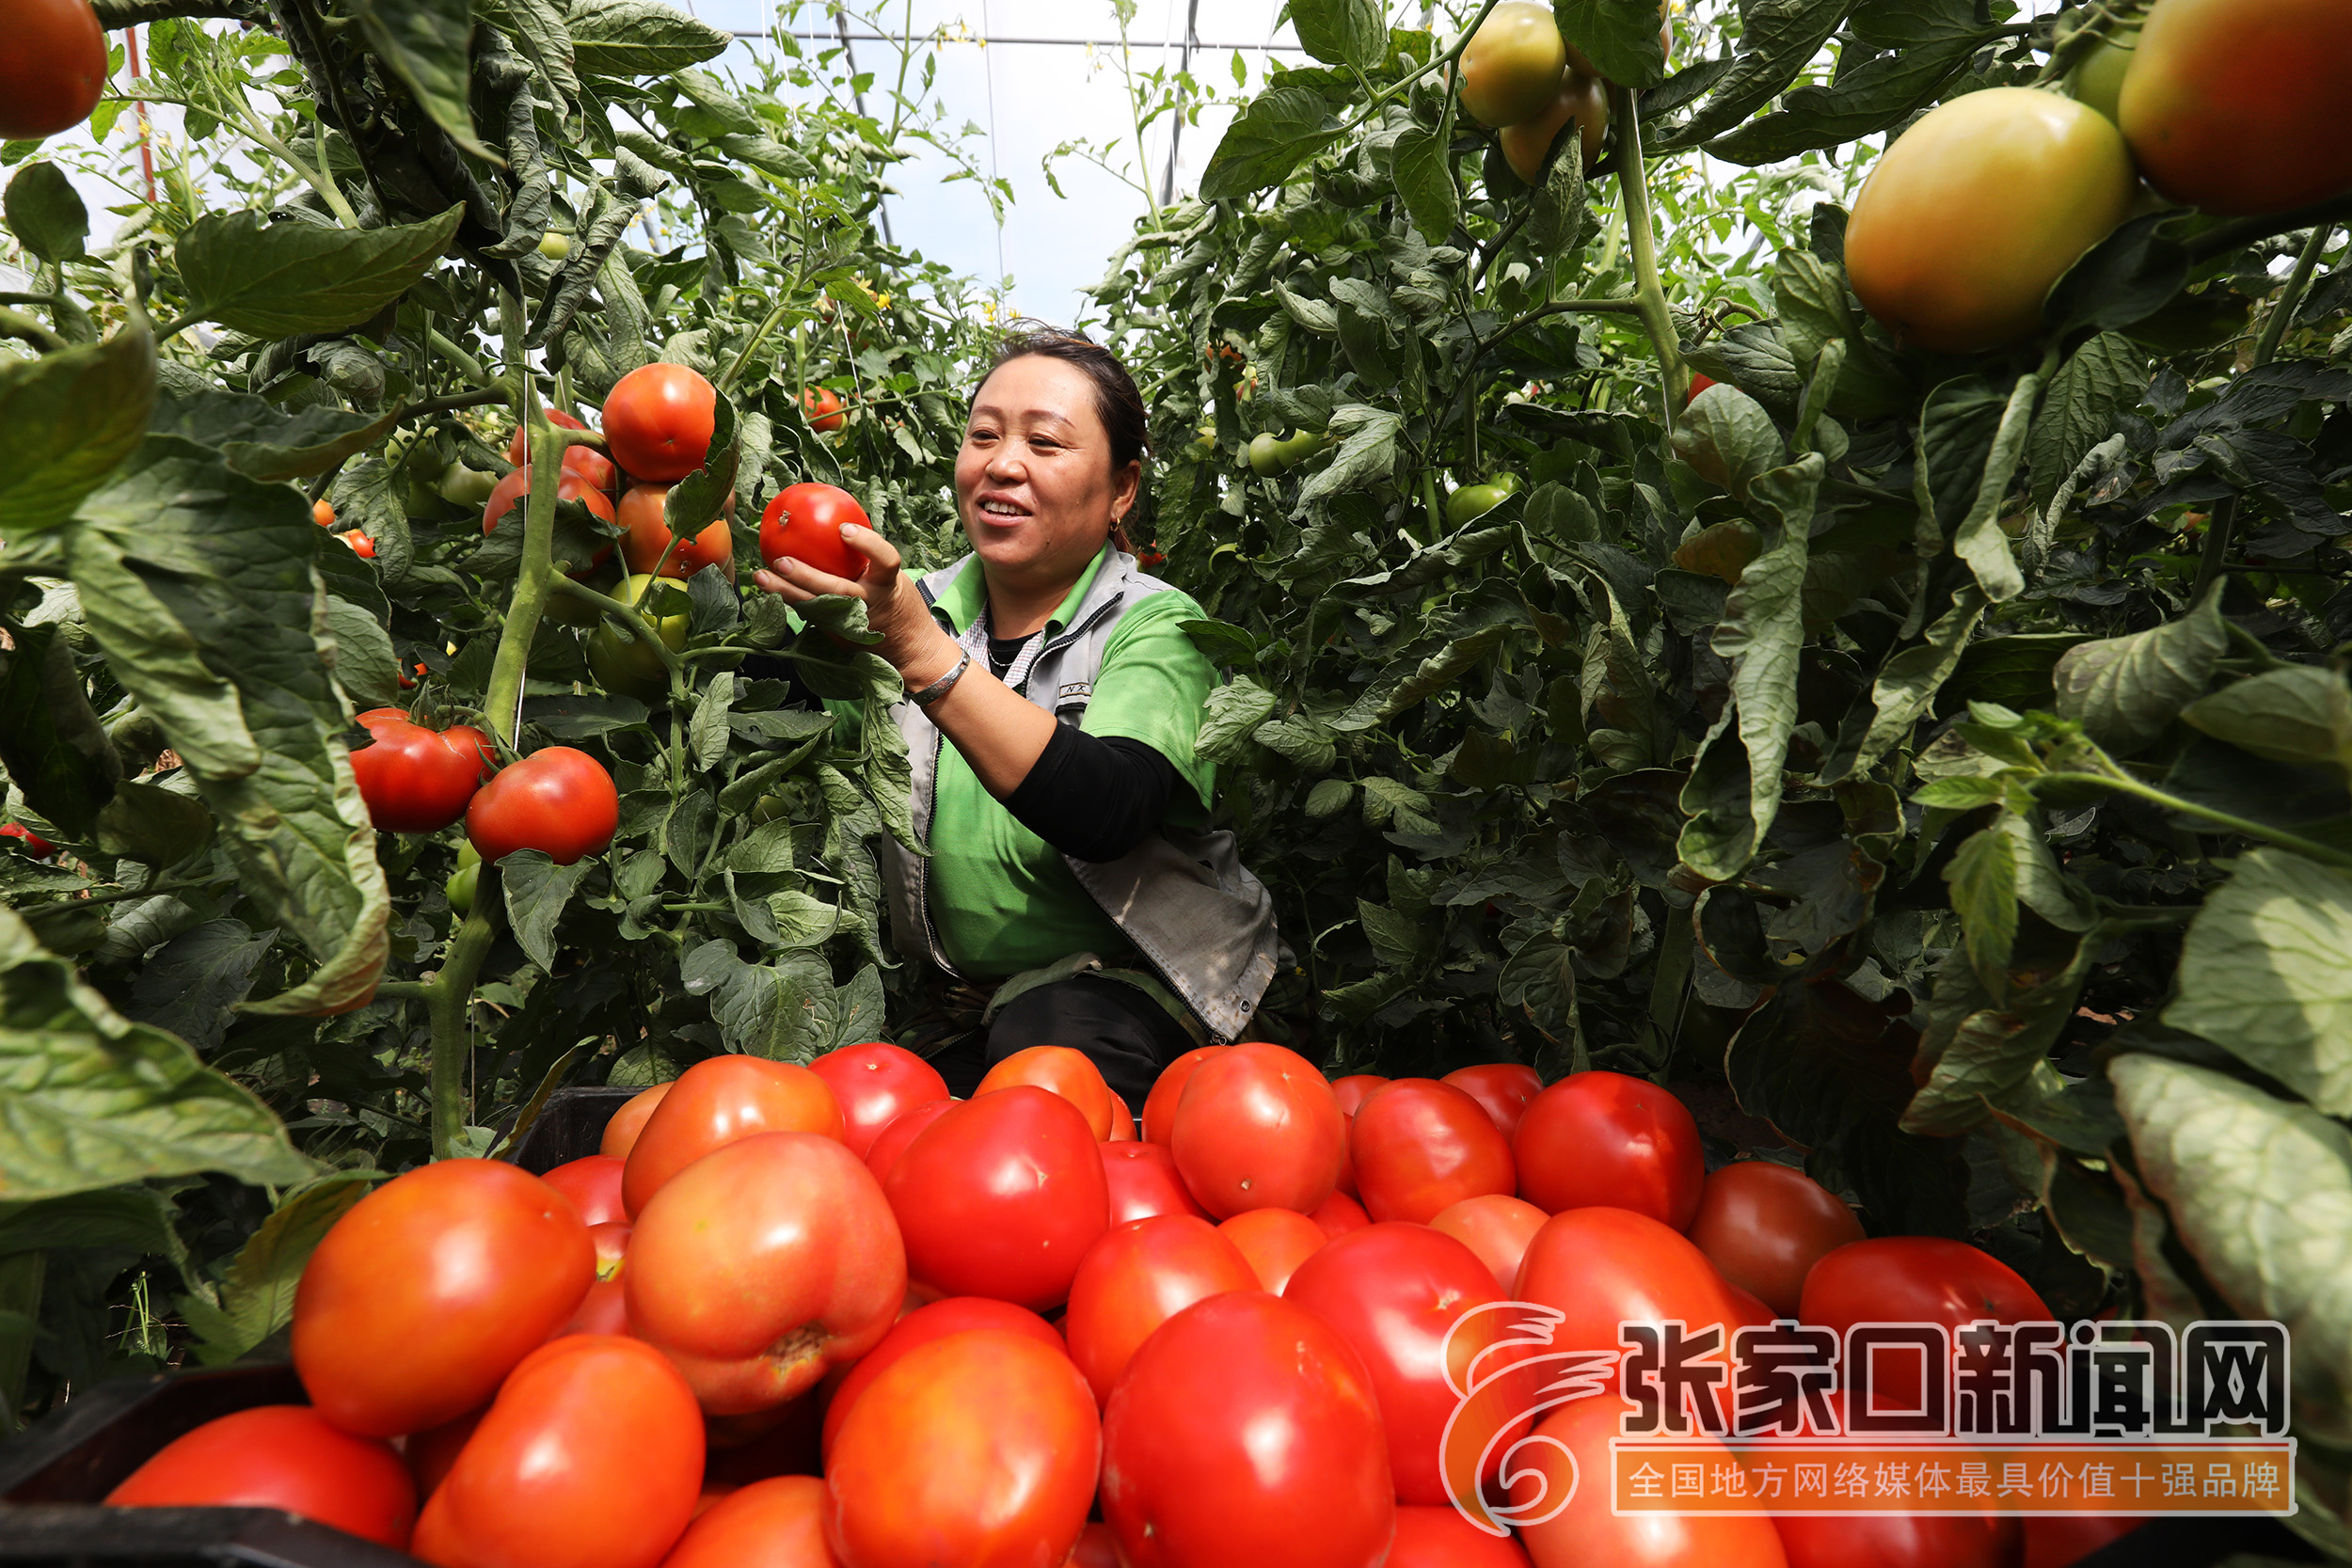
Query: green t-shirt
column 1002, row 898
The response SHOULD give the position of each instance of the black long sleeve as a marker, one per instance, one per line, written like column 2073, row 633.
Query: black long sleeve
column 1093, row 796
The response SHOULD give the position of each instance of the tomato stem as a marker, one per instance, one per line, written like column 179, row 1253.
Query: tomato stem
column 449, row 1001
column 1649, row 290
column 502, row 707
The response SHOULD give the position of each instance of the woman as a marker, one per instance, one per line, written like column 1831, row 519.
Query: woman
column 1052, row 702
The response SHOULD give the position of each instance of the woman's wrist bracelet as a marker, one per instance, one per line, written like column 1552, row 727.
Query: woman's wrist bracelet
column 945, row 683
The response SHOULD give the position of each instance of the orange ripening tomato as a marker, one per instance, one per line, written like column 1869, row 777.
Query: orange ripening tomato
column 657, row 421
column 935, row 1321
column 716, row 1101
column 1505, row 1088
column 979, row 1450
column 420, row 1299
column 762, row 1265
column 1143, row 1182
column 1766, row 1225
column 1001, row 1196
column 1275, row 1241
column 282, row 1456
column 804, row 522
column 628, row 1122
column 594, row 1185
column 53, row 67
column 822, row 406
column 1586, row 1532
column 1420, row 1146
column 1257, row 1128
column 591, row 1457
column 1159, row 1106
column 1497, row 1228
column 1057, row 1069
column 322, row 513
column 873, row 1083
column 1527, row 146
column 2239, row 106
column 1512, row 66
column 1605, row 1138
column 642, row 511
column 1135, row 1279
column 776, row 1523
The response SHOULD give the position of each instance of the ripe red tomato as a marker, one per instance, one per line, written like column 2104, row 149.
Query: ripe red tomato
column 1393, row 1290
column 1339, row 1214
column 518, row 445
column 822, row 406
column 2238, row 107
column 621, row 1132
column 777, row 1523
column 1351, row 1090
column 1604, row 1138
column 715, row 1102
column 571, row 486
column 415, row 780
column 657, row 419
column 762, row 1265
column 1913, row 1279
column 1275, row 1241
column 1159, row 1106
column 804, row 522
column 1246, row 1431
column 1505, row 1088
column 1495, row 1225
column 588, row 463
column 35, row 845
column 1135, row 1279
column 1002, row 1197
column 1700, row 382
column 1900, row 1541
column 591, row 1457
column 594, row 1185
column 1143, row 1182
column 421, row 1299
column 979, row 1449
column 1257, row 1128
column 1421, row 1147
column 1602, row 1267
column 1765, row 1225
column 1057, row 1069
column 605, row 1308
column 322, row 513
column 1122, row 1122
column 1441, row 1538
column 558, row 800
column 1097, row 1547
column 1512, row 66
column 641, row 512
column 901, row 1130
column 873, row 1084
column 359, row 544
column 285, row 1456
column 431, row 1452
column 1586, row 1531
column 949, row 1315
column 53, row 67
column 1978, row 208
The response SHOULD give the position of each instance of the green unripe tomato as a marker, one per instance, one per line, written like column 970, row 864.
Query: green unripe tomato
column 769, row 807
column 467, row 487
column 1472, row 501
column 1300, row 444
column 462, row 882
column 625, row 666
column 2097, row 79
column 555, row 247
column 1265, row 456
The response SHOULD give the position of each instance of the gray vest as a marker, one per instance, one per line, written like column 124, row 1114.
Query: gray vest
column 1185, row 900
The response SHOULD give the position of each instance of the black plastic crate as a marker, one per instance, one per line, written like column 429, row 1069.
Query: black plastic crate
column 569, row 1127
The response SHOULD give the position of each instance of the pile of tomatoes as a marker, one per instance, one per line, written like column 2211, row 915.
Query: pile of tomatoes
column 827, row 1317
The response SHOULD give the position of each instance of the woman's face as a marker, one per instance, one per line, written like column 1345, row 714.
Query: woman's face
column 1034, row 481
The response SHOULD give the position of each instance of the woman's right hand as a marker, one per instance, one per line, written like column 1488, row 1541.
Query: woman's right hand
column 911, row 641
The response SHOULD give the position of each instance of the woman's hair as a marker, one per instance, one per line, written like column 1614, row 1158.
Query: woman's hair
column 1116, row 400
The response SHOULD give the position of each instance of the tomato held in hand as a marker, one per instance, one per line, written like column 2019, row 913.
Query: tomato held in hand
column 1257, row 1128
column 978, row 1449
column 1001, row 1196
column 1275, row 1241
column 1246, row 1431
column 53, row 67
column 822, row 406
column 594, row 1185
column 1159, row 1106
column 1497, row 1228
column 415, row 780
column 1505, row 1088
column 1441, row 1538
column 1057, row 1069
column 1394, row 1291
column 628, row 1122
column 715, row 1102
column 1766, row 1225
column 644, row 512
column 591, row 1457
column 657, row 419
column 804, row 522
column 284, row 1456
column 873, row 1084
column 423, row 1297
column 1586, row 1532
column 950, row 1315
column 1135, row 1279
column 1605, row 1138
column 1420, row 1146
column 2239, row 107
column 1911, row 1280
column 761, row 1266
column 892, row 1141
column 558, row 800
column 1143, row 1182
column 570, row 485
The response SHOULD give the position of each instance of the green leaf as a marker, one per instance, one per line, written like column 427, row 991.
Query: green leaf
column 257, row 1295
column 1398, row 940
column 706, row 736
column 153, row 825
column 1729, row 437
column 52, row 744
column 66, row 420
column 1367, row 452
column 1619, row 37
column 363, row 659
column 1424, row 172
column 1876, row 95
column 640, row 37
column 1778, row 39
column 2301, row 714
column 1235, row 709
column 273, row 279
column 1990, row 1047
column 2266, row 973
column 2124, row 278
column 263, row 441
column 46, row 215
column 428, row 44
column 1540, row 977
column 1342, row 32
column 537, row 891
column 2260, row 1192
column 131, row 1219
column 95, row 1100
column 2098, row 383
column 1983, row 880
column 1555, row 224
column 2123, row 691
column 1275, row 133
column 200, row 587
column 782, row 1011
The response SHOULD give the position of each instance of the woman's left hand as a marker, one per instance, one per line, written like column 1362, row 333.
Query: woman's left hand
column 911, row 641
